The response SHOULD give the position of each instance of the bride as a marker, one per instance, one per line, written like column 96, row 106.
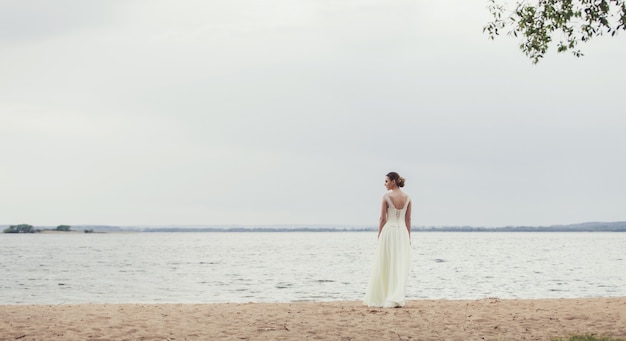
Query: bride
column 387, row 285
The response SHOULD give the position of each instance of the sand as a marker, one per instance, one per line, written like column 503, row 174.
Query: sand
column 486, row 319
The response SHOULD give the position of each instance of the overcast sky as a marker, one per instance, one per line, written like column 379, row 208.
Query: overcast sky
column 292, row 112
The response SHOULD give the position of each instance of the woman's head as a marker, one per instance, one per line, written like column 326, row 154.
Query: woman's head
column 394, row 178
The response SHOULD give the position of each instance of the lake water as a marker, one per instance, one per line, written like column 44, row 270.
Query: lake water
column 301, row 266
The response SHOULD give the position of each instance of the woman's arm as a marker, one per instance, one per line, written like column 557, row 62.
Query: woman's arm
column 383, row 217
column 407, row 218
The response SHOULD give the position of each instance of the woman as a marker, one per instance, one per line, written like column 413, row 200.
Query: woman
column 387, row 285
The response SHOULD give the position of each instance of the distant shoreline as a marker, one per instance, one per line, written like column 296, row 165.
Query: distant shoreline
column 582, row 227
column 372, row 229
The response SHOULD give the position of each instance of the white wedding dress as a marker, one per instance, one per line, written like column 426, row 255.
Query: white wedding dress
column 387, row 285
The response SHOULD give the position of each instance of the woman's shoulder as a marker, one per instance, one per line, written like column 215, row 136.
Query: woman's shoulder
column 396, row 196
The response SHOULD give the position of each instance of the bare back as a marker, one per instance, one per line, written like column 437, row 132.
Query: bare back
column 398, row 199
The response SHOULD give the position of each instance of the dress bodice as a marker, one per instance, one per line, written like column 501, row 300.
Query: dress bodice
column 395, row 216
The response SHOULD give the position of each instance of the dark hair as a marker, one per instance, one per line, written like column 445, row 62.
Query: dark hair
column 395, row 176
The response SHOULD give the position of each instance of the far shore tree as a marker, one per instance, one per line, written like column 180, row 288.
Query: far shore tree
column 63, row 228
column 22, row 228
column 536, row 23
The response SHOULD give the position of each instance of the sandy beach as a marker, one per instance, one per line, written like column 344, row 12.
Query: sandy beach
column 486, row 319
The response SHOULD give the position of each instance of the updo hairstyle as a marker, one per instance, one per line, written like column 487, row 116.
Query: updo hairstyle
column 395, row 176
